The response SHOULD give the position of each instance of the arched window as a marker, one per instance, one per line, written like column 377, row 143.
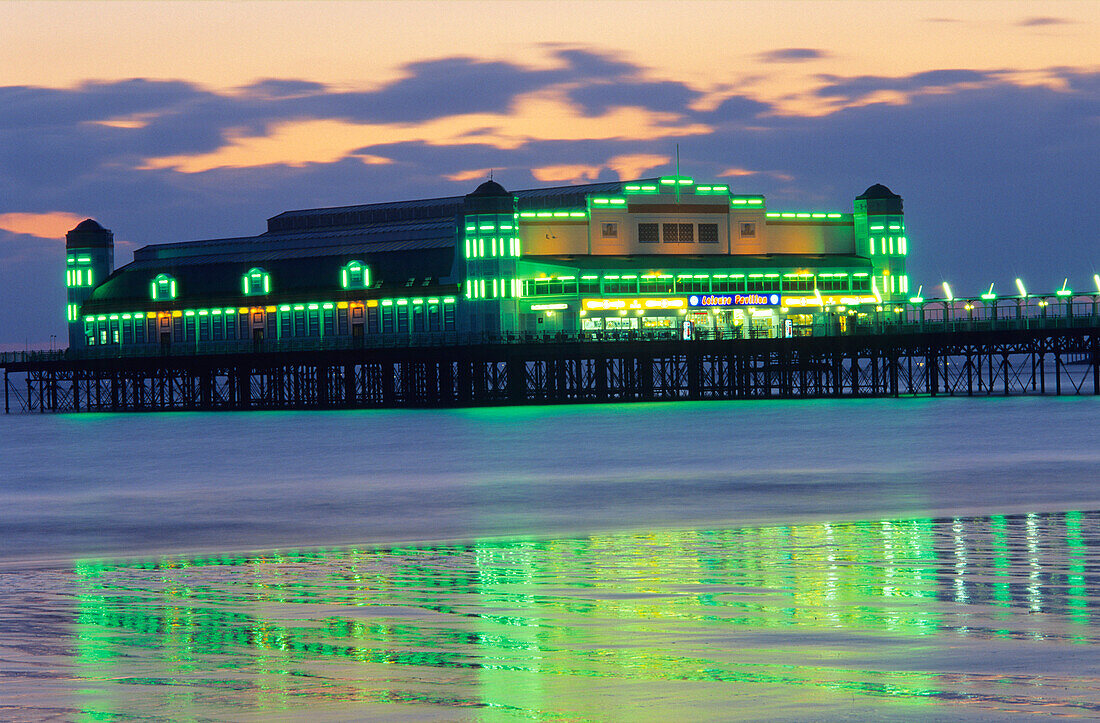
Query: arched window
column 256, row 282
column 162, row 288
column 355, row 276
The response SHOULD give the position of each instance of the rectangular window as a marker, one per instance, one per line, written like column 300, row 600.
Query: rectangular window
column 693, row 284
column 204, row 328
column 682, row 233
column 314, row 316
column 449, row 317
column 328, row 316
column 757, row 282
column 708, row 233
column 218, row 328
column 615, row 285
column 832, row 283
column 655, row 285
column 732, row 283
column 403, row 319
column 647, row 233
column 589, row 285
column 387, row 319
column 861, row 283
column 284, row 325
column 189, row 328
column 748, row 229
column 798, row 283
column 433, row 318
column 609, row 230
column 418, row 317
column 342, row 322
column 373, row 320
column 299, row 322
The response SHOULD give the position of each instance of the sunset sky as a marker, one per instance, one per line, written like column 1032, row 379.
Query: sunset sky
column 180, row 120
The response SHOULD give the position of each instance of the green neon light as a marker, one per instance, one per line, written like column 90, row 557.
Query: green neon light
column 1020, row 287
column 1064, row 291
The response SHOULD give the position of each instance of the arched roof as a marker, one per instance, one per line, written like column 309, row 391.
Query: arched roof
column 877, row 191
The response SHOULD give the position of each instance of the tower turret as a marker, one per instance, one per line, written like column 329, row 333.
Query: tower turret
column 89, row 259
column 880, row 235
column 491, row 248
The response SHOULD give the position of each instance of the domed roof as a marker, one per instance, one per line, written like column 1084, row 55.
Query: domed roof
column 490, row 188
column 877, row 191
column 88, row 224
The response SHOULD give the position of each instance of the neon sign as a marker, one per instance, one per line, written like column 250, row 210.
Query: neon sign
column 827, row 300
column 711, row 300
column 617, row 304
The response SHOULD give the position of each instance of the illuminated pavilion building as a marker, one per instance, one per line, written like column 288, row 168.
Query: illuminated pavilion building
column 664, row 256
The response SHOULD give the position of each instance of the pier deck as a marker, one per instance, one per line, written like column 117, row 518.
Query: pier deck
column 900, row 361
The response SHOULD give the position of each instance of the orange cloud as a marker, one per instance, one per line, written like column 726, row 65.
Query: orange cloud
column 634, row 165
column 471, row 175
column 536, row 117
column 737, row 172
column 577, row 172
column 52, row 225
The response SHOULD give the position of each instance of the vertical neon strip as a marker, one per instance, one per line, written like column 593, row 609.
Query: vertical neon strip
column 244, row 285
column 344, row 277
column 872, row 246
column 481, row 248
column 172, row 289
column 903, row 246
column 891, row 244
column 267, row 283
column 482, row 294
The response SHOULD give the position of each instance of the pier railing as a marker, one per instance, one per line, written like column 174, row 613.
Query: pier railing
column 930, row 316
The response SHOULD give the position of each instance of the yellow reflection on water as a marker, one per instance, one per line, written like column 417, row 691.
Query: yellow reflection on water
column 814, row 620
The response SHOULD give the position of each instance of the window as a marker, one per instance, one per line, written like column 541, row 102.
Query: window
column 799, row 282
column 708, row 233
column 609, row 230
column 861, row 282
column 355, row 276
column 724, row 283
column 256, row 282
column 162, row 288
column 693, row 284
column 590, row 285
column 748, row 229
column 758, row 282
column 654, row 284
column 678, row 233
column 617, row 285
column 647, row 233
column 833, row 282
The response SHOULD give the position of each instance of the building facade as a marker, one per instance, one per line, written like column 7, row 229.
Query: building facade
column 658, row 257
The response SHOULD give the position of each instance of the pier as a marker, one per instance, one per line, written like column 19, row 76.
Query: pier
column 1053, row 356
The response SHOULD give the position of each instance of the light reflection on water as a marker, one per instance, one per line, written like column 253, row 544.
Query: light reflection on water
column 961, row 618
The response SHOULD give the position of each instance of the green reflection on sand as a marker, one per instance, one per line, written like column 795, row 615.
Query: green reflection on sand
column 813, row 614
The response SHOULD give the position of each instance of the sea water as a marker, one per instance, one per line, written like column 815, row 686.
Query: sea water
column 912, row 559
